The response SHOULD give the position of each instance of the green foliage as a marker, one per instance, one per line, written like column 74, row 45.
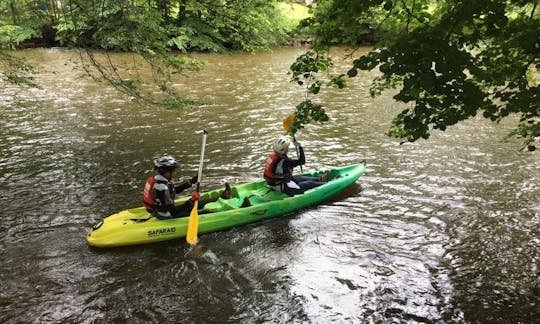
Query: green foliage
column 293, row 14
column 213, row 25
column 12, row 36
column 308, row 65
column 449, row 60
column 526, row 131
column 306, row 113
column 305, row 72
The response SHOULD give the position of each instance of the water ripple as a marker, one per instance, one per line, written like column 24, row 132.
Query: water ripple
column 444, row 230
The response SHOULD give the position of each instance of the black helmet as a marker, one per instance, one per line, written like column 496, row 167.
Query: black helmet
column 165, row 163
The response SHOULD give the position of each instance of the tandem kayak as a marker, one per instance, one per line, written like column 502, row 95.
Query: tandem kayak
column 250, row 202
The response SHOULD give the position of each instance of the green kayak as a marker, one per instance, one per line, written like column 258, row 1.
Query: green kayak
column 250, row 202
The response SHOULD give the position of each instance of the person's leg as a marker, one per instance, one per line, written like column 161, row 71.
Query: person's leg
column 185, row 209
column 182, row 210
column 227, row 193
column 309, row 184
column 306, row 183
column 203, row 202
column 292, row 191
column 301, row 178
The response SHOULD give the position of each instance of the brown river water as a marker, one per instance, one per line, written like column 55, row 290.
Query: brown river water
column 439, row 231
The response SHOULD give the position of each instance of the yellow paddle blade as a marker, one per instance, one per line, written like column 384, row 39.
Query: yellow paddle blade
column 193, row 224
column 288, row 122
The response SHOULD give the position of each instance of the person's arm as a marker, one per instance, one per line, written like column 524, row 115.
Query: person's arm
column 182, row 186
column 291, row 163
column 186, row 184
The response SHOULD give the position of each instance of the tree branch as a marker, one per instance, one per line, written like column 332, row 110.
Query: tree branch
column 387, row 16
column 410, row 13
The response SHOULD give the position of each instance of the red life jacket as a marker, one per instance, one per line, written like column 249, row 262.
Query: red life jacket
column 148, row 200
column 270, row 175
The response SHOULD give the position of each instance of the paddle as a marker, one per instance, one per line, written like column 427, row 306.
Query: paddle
column 193, row 223
column 287, row 125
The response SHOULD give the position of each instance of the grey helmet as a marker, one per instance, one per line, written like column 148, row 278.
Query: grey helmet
column 165, row 163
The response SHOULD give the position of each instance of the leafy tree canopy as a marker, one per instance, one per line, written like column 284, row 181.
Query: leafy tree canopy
column 450, row 60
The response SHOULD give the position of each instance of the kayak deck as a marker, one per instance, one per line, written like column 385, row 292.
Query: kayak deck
column 249, row 202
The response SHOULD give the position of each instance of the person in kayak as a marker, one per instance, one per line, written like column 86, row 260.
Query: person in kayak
column 160, row 191
column 278, row 169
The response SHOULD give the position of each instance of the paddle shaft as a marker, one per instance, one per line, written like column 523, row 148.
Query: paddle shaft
column 287, row 126
column 193, row 222
column 297, row 152
column 199, row 176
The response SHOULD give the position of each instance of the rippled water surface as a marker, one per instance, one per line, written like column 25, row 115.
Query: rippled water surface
column 445, row 230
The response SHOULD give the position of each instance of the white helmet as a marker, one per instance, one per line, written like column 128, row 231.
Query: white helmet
column 281, row 144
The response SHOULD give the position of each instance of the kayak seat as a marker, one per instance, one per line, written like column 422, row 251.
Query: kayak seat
column 265, row 196
column 238, row 200
column 214, row 207
column 256, row 200
column 225, row 204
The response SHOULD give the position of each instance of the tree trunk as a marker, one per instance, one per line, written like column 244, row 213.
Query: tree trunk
column 14, row 15
column 181, row 12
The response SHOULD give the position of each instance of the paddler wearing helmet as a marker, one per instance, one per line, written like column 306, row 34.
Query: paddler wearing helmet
column 160, row 191
column 278, row 169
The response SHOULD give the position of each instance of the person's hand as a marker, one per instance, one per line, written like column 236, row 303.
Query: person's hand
column 297, row 144
column 193, row 180
column 195, row 196
column 287, row 177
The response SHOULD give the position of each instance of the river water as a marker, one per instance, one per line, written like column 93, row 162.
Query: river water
column 438, row 231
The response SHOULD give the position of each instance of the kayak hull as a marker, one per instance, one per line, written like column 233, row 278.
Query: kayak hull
column 137, row 226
